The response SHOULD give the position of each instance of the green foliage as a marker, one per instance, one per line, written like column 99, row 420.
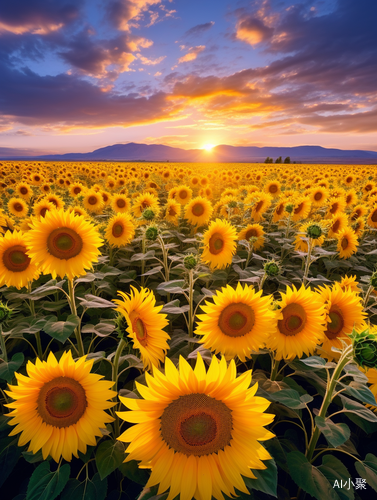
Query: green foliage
column 45, row 484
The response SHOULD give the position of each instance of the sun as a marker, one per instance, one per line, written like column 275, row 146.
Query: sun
column 208, row 147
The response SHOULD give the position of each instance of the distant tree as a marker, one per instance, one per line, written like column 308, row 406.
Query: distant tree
column 268, row 160
column 279, row 160
column 287, row 160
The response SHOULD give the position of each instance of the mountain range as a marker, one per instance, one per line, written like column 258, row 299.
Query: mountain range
column 219, row 154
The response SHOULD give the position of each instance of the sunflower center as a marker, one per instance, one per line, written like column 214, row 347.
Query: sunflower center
column 121, row 203
column 336, row 323
column 15, row 259
column 318, row 196
column 294, row 319
column 349, row 198
column 172, row 212
column 259, row 206
column 77, row 190
column 250, row 233
column 335, row 226
column 92, row 200
column 334, row 208
column 374, row 216
column 280, row 209
column 117, row 230
column 344, row 243
column 24, row 190
column 145, row 205
column 43, row 211
column 198, row 209
column 183, row 194
column 236, row 320
column 273, row 188
column 61, row 402
column 196, row 424
column 18, row 207
column 216, row 243
column 139, row 329
column 298, row 209
column 64, row 243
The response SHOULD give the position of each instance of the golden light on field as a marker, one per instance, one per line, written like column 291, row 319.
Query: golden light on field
column 208, row 147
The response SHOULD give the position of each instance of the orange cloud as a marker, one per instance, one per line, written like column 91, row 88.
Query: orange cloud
column 192, row 54
column 253, row 31
column 150, row 62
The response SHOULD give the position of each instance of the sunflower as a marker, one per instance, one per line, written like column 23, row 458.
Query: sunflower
column 261, row 203
column 219, row 244
column 198, row 431
column 372, row 217
column 279, row 211
column 18, row 207
column 173, row 210
column 106, row 196
column 63, row 243
column 120, row 230
column 335, row 206
column 237, row 323
column 183, row 195
column 145, row 325
column 358, row 226
column 351, row 197
column 120, row 203
column 359, row 211
column 347, row 243
column 318, row 196
column 301, row 209
column 301, row 244
column 93, row 201
column 199, row 211
column 77, row 210
column 273, row 188
column 300, row 323
column 36, row 179
column 23, row 190
column 371, row 373
column 16, row 268
column 144, row 201
column 42, row 207
column 337, row 224
column 6, row 223
column 77, row 189
column 55, row 200
column 350, row 282
column 251, row 230
column 59, row 407
column 344, row 312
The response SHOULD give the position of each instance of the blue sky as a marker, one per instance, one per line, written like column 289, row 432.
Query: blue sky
column 77, row 75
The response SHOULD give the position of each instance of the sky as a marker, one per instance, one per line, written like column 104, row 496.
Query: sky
column 77, row 75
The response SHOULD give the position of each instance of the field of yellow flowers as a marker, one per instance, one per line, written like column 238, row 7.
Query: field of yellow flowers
column 190, row 331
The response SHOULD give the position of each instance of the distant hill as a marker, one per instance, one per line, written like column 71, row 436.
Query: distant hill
column 223, row 153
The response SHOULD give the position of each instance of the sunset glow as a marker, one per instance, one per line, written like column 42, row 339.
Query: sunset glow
column 208, row 147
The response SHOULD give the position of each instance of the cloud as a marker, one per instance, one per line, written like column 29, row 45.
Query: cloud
column 192, row 54
column 199, row 29
column 253, row 31
column 103, row 58
column 150, row 62
column 121, row 12
column 37, row 16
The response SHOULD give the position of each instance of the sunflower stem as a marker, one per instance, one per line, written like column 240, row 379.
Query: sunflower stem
column 37, row 334
column 165, row 262
column 367, row 295
column 2, row 345
column 308, row 261
column 191, row 303
column 114, row 378
column 111, row 256
column 249, row 254
column 344, row 359
column 274, row 369
column 263, row 279
column 72, row 303
column 143, row 248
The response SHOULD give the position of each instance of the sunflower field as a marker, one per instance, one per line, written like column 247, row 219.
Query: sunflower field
column 188, row 331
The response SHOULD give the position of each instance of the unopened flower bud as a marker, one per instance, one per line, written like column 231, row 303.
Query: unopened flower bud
column 5, row 313
column 365, row 348
column 271, row 268
column 151, row 233
column 190, row 261
column 148, row 214
column 289, row 208
column 314, row 231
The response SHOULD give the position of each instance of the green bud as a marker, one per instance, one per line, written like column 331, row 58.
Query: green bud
column 232, row 204
column 289, row 208
column 5, row 313
column 10, row 190
column 80, row 197
column 190, row 261
column 151, row 233
column 272, row 268
column 314, row 231
column 121, row 326
column 373, row 280
column 148, row 214
column 365, row 348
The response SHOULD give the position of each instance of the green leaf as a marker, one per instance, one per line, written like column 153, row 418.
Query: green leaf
column 368, row 470
column 109, row 456
column 360, row 391
column 31, row 457
column 7, row 369
column 8, row 458
column 92, row 489
column 288, row 397
column 131, row 471
column 94, row 302
column 61, row 330
column 309, row 478
column 175, row 286
column 314, row 362
column 103, row 329
column 354, row 407
column 47, row 485
column 334, row 470
column 266, row 479
column 143, row 256
column 336, row 434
